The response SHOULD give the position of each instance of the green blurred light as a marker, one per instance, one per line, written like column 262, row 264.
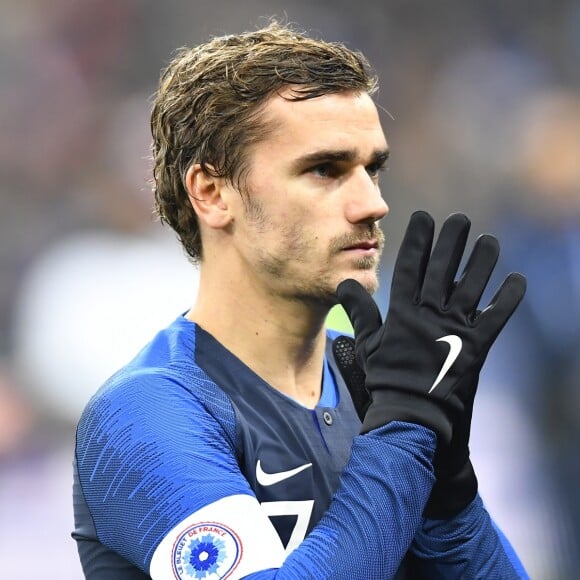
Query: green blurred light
column 338, row 320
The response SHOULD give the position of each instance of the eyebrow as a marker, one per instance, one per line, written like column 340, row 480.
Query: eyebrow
column 341, row 155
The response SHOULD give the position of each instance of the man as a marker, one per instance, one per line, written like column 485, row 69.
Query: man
column 230, row 446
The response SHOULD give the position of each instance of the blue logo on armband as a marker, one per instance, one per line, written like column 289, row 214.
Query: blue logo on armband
column 206, row 551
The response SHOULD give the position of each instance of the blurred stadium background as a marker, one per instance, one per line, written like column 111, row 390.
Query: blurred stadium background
column 484, row 107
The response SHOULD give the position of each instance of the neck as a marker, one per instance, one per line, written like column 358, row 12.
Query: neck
column 281, row 340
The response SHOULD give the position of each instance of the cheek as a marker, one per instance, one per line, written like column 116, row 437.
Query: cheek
column 294, row 238
column 297, row 230
column 304, row 244
column 303, row 223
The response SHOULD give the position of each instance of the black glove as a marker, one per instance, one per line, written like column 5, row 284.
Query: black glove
column 353, row 375
column 419, row 364
column 456, row 483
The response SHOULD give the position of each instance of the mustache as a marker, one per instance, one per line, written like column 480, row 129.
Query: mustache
column 371, row 232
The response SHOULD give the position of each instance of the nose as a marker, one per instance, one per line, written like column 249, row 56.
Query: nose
column 364, row 203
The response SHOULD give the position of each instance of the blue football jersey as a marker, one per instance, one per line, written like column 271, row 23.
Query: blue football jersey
column 188, row 465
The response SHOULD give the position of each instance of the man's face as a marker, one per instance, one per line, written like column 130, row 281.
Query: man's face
column 312, row 199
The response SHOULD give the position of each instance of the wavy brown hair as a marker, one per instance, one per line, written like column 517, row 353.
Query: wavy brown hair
column 208, row 104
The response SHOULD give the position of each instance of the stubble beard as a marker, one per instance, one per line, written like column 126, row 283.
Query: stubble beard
column 320, row 287
column 365, row 263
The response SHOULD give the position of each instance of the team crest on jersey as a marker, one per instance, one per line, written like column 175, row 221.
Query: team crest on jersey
column 206, row 551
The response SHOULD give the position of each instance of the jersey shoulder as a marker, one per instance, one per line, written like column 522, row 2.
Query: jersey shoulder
column 164, row 383
column 142, row 442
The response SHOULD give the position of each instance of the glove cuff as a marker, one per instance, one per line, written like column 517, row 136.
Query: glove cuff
column 452, row 493
column 392, row 405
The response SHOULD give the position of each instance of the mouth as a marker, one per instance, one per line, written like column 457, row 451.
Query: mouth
column 363, row 246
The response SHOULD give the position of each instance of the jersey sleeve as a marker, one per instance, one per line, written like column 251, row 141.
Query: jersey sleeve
column 154, row 464
column 468, row 545
column 158, row 471
column 376, row 510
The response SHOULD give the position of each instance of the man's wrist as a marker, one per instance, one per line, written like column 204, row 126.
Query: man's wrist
column 392, row 405
column 452, row 493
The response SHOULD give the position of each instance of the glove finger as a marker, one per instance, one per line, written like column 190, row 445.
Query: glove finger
column 477, row 273
column 445, row 259
column 503, row 305
column 360, row 308
column 413, row 257
column 354, row 377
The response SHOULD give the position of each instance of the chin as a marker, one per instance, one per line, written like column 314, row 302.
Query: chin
column 368, row 279
column 371, row 286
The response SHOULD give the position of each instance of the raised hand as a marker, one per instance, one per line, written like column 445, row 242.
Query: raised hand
column 422, row 362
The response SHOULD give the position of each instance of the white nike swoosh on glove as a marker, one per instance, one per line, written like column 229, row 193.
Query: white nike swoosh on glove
column 455, row 346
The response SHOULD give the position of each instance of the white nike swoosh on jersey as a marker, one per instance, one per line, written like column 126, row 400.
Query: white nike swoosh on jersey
column 455, row 346
column 266, row 479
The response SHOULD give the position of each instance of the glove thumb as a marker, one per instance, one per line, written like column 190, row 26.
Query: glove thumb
column 353, row 375
column 362, row 311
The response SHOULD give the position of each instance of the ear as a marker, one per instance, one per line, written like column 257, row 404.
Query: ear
column 206, row 194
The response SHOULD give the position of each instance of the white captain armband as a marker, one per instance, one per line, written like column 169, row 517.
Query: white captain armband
column 229, row 538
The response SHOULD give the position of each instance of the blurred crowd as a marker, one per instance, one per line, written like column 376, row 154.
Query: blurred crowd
column 481, row 107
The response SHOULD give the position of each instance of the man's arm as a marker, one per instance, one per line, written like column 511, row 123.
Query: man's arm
column 469, row 545
column 164, row 491
column 399, row 364
column 459, row 535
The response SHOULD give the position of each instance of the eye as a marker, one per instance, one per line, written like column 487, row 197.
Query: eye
column 324, row 170
column 374, row 169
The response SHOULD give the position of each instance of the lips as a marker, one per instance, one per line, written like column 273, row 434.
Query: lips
column 364, row 245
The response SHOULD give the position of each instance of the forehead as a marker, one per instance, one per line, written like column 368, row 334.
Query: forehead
column 339, row 121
